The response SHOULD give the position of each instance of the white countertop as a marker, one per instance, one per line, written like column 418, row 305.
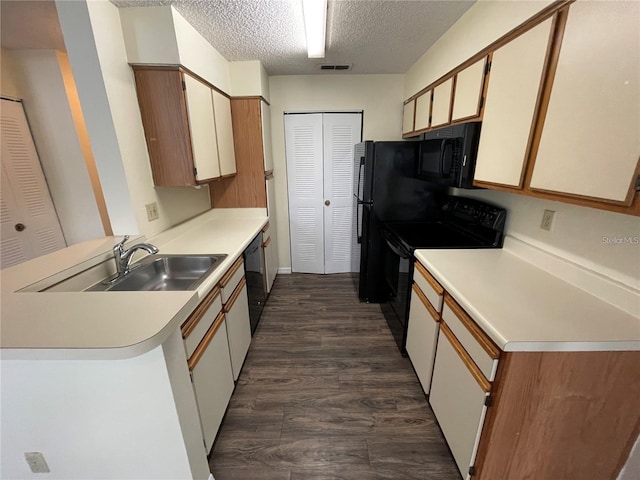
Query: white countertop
column 524, row 307
column 77, row 324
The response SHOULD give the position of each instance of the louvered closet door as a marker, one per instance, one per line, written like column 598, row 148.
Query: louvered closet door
column 304, row 150
column 341, row 132
column 24, row 197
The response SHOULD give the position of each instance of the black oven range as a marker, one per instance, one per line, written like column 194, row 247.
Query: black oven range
column 461, row 223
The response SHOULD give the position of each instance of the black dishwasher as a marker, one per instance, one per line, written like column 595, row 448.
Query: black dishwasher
column 254, row 272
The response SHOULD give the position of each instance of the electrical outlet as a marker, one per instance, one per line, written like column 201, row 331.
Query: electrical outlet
column 547, row 220
column 36, row 462
column 152, row 211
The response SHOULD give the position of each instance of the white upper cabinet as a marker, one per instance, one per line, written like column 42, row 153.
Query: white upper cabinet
column 468, row 93
column 203, row 130
column 224, row 133
column 441, row 108
column 514, row 85
column 590, row 141
column 423, row 110
column 407, row 117
column 265, row 117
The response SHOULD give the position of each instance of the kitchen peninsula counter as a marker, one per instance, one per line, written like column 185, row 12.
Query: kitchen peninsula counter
column 526, row 300
column 112, row 325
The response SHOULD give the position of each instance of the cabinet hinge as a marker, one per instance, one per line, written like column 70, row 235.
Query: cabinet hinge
column 638, row 184
column 184, row 85
column 191, row 375
column 487, row 68
column 488, row 401
column 472, row 471
column 430, row 120
column 195, row 172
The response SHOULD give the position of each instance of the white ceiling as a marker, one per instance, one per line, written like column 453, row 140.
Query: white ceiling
column 374, row 36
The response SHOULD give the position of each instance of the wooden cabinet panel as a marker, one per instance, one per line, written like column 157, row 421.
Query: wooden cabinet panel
column 265, row 117
column 202, row 128
column 166, row 127
column 441, row 109
column 407, row 117
column 422, row 336
column 590, row 143
column 224, row 133
column 423, row 111
column 514, row 85
column 247, row 188
column 468, row 92
column 458, row 402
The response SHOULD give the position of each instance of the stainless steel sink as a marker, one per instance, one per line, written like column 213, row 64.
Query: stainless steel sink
column 164, row 272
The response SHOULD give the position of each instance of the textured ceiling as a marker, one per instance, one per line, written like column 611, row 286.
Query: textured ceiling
column 374, row 36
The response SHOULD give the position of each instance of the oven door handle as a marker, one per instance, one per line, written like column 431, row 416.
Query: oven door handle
column 396, row 249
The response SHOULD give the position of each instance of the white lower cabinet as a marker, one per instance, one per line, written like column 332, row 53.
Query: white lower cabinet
column 422, row 336
column 458, row 400
column 212, row 377
column 238, row 326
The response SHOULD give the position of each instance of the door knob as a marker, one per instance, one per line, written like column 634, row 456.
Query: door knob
column 19, row 227
column 327, row 203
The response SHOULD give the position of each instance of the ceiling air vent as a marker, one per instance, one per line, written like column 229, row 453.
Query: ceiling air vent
column 327, row 67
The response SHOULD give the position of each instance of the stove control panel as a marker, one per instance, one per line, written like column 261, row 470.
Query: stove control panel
column 475, row 212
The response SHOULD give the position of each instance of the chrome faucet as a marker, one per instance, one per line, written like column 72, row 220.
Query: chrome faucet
column 123, row 257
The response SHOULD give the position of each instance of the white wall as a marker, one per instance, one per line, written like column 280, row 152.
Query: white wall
column 94, row 40
column 99, row 419
column 483, row 23
column 42, row 86
column 379, row 96
column 248, row 79
column 160, row 35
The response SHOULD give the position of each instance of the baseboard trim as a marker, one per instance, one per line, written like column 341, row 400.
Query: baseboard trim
column 284, row 270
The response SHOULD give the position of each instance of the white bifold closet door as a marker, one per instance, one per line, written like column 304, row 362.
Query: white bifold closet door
column 29, row 222
column 319, row 149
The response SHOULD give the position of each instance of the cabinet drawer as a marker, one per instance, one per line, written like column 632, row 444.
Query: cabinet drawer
column 422, row 336
column 231, row 279
column 200, row 320
column 477, row 344
column 429, row 286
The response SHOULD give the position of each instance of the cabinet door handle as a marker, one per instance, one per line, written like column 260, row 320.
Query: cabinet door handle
column 200, row 349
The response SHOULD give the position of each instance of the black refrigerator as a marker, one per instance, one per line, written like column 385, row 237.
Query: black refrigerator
column 386, row 190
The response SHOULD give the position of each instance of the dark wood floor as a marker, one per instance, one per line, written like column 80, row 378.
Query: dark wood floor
column 324, row 394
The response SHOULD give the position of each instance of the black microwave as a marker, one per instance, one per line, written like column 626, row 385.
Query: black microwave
column 447, row 156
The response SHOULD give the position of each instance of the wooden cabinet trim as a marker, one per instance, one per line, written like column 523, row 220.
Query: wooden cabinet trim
column 266, row 242
column 200, row 349
column 633, row 209
column 190, row 324
column 485, row 342
column 425, row 301
column 234, row 296
column 265, row 228
column 484, row 384
column 232, row 270
column 429, row 278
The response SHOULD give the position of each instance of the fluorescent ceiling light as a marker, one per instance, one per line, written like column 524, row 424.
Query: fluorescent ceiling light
column 315, row 26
